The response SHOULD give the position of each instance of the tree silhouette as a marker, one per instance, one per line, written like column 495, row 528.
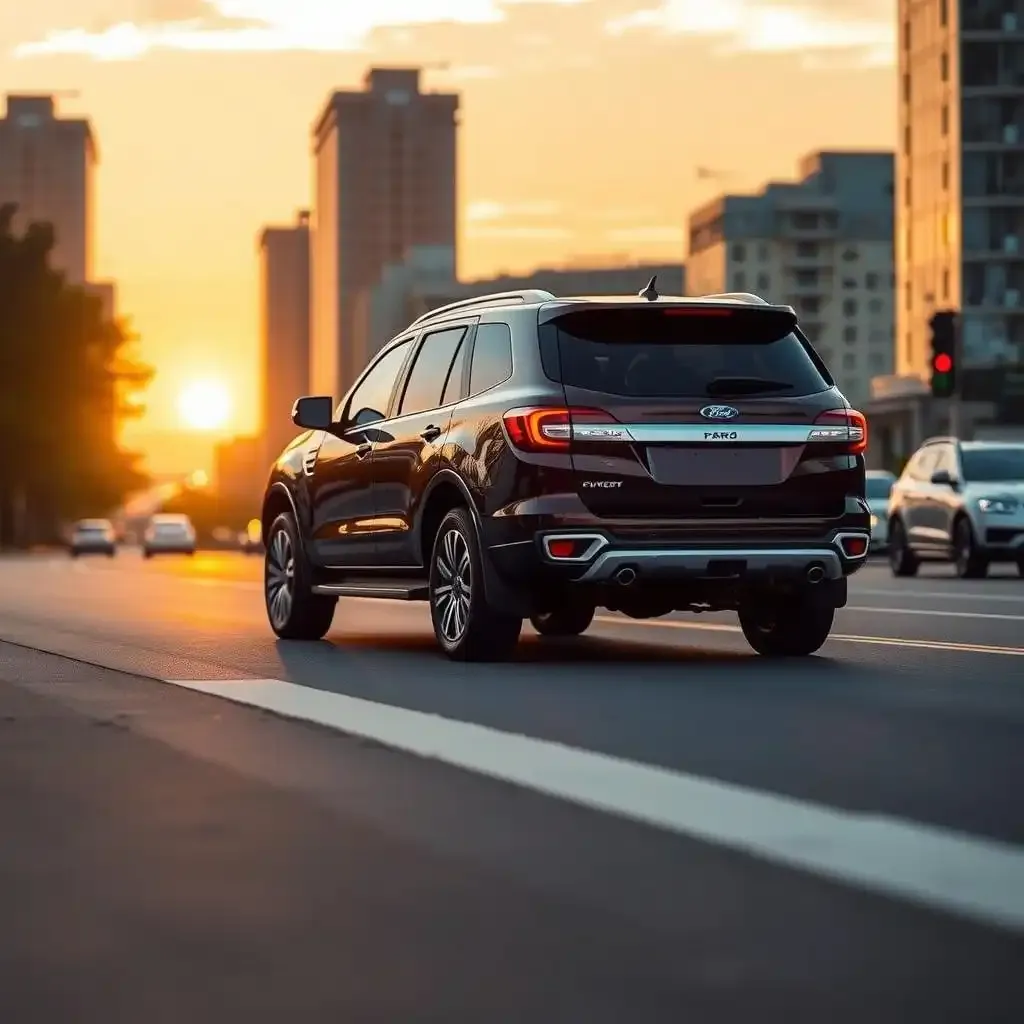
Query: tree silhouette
column 65, row 374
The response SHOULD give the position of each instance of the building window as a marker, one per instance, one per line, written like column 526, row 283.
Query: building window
column 764, row 282
column 906, row 140
column 849, row 361
column 850, row 255
column 850, row 335
column 943, row 12
column 906, row 34
column 908, row 296
column 945, row 284
column 849, row 307
column 945, row 175
column 906, row 87
column 944, row 67
column 762, row 252
column 871, row 281
column 907, row 193
column 739, row 281
column 849, row 282
column 945, row 119
column 739, row 253
column 876, row 360
column 807, row 250
column 875, row 306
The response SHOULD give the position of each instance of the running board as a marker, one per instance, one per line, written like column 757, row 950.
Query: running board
column 382, row 589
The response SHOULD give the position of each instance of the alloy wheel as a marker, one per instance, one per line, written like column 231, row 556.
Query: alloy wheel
column 453, row 593
column 280, row 578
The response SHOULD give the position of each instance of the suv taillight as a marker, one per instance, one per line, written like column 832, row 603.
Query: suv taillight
column 552, row 428
column 843, row 426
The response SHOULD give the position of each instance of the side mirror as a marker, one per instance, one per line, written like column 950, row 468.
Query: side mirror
column 314, row 412
column 941, row 478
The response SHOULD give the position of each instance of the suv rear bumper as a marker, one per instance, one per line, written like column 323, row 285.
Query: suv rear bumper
column 750, row 554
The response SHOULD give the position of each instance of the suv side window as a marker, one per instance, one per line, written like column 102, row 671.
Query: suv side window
column 920, row 468
column 432, row 371
column 370, row 400
column 943, row 460
column 492, row 357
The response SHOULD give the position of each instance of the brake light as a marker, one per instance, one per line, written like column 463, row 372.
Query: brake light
column 695, row 311
column 552, row 428
column 842, row 426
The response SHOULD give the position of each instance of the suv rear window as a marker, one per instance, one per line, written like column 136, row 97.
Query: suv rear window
column 680, row 352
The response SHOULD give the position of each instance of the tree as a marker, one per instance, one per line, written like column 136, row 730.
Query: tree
column 65, row 376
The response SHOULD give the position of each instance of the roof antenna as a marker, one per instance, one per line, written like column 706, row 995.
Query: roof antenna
column 650, row 293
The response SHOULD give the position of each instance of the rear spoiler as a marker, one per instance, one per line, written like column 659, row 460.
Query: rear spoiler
column 777, row 314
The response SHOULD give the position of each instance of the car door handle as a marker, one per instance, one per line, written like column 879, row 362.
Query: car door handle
column 431, row 433
column 363, row 450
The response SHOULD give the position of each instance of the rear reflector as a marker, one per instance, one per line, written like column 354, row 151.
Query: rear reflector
column 854, row 545
column 842, row 426
column 576, row 547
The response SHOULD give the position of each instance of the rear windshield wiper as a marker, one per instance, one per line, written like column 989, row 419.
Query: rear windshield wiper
column 719, row 386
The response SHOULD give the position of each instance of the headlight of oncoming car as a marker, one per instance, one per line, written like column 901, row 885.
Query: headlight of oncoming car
column 874, row 522
column 998, row 506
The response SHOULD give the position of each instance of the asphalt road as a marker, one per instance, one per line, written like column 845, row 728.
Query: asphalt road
column 649, row 823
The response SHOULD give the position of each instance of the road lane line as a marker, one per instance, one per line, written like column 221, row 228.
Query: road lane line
column 932, row 611
column 884, row 641
column 934, row 595
column 962, row 875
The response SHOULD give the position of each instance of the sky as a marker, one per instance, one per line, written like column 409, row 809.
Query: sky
column 202, row 110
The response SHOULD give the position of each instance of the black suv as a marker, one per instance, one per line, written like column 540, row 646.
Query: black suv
column 521, row 456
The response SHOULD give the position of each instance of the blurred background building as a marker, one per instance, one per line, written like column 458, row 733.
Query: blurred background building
column 47, row 167
column 284, row 298
column 385, row 182
column 822, row 244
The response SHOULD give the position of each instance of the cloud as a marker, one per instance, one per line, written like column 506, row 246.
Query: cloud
column 651, row 234
column 518, row 232
column 798, row 26
column 488, row 211
column 264, row 25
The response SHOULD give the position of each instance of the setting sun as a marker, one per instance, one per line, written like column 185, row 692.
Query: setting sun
column 204, row 405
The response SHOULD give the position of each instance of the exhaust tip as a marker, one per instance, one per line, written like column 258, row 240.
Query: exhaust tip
column 815, row 574
column 625, row 576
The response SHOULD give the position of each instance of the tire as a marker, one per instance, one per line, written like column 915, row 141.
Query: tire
column 465, row 627
column 902, row 560
column 791, row 627
column 147, row 554
column 293, row 610
column 970, row 563
column 569, row 620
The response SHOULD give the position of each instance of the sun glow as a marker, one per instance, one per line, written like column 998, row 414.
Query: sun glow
column 204, row 405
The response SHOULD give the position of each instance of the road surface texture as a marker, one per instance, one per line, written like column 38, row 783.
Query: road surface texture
column 646, row 824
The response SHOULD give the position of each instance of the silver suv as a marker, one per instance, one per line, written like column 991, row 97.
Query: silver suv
column 959, row 501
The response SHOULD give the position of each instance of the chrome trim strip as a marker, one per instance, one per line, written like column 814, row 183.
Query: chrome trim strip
column 697, row 560
column 597, row 542
column 703, row 433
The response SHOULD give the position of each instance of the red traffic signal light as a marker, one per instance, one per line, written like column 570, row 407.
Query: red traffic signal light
column 942, row 363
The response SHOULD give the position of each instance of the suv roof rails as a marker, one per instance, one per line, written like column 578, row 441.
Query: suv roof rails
column 495, row 299
column 749, row 298
column 940, row 439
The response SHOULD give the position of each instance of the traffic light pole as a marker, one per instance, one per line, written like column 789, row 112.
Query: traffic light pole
column 955, row 407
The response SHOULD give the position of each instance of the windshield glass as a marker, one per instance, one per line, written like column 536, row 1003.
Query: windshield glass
column 878, row 488
column 654, row 354
column 1002, row 465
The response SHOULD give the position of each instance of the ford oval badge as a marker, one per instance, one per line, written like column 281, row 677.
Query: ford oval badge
column 719, row 412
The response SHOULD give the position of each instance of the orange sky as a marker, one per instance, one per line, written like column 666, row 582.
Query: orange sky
column 202, row 111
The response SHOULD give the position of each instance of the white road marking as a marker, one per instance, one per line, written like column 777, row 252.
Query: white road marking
column 939, row 613
column 959, row 874
column 884, row 641
column 954, row 594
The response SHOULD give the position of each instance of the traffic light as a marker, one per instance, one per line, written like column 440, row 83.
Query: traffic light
column 944, row 353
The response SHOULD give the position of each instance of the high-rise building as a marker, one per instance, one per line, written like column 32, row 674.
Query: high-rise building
column 47, row 166
column 960, row 174
column 385, row 180
column 284, row 328
column 822, row 244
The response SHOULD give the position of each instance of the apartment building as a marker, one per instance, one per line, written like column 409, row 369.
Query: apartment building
column 47, row 168
column 284, row 328
column 822, row 244
column 960, row 197
column 385, row 181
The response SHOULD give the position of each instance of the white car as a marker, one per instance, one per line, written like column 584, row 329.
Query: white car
column 169, row 534
column 879, row 488
column 93, row 537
